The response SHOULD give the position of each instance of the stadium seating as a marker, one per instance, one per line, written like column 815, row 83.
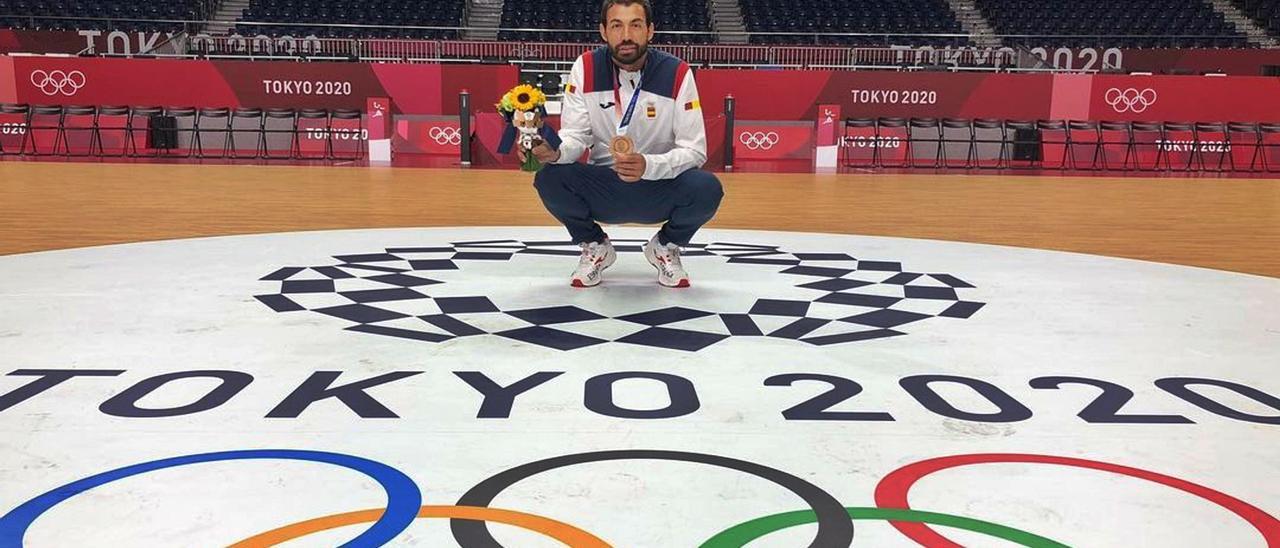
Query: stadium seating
column 1073, row 23
column 389, row 13
column 41, row 13
column 1131, row 23
column 584, row 15
column 1265, row 12
column 842, row 16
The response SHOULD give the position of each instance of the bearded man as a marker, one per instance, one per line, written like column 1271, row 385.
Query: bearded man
column 636, row 112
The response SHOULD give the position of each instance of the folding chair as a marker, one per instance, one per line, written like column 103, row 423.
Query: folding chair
column 1055, row 141
column 1246, row 146
column 1212, row 146
column 1270, row 136
column 280, row 131
column 1179, row 145
column 858, row 144
column 347, row 137
column 1116, row 145
column 214, row 123
column 79, row 123
column 1146, row 140
column 314, row 135
column 990, row 144
column 185, row 120
column 957, row 136
column 111, row 133
column 924, row 141
column 1026, row 143
column 892, row 137
column 15, row 125
column 1086, row 141
column 248, row 121
column 140, row 122
column 45, row 134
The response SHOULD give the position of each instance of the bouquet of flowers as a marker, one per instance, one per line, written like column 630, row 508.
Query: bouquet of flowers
column 524, row 107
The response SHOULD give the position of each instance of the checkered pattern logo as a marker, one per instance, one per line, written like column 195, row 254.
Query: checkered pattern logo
column 390, row 293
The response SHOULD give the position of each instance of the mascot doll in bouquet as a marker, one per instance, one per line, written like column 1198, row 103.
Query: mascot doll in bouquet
column 524, row 108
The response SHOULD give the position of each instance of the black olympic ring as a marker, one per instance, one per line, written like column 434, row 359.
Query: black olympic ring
column 834, row 526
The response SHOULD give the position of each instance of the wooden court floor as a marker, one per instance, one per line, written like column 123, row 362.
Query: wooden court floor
column 1227, row 224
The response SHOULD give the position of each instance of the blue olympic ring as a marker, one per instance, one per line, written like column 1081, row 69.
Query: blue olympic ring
column 403, row 496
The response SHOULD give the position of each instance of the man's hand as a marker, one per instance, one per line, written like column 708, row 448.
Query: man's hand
column 543, row 153
column 630, row 167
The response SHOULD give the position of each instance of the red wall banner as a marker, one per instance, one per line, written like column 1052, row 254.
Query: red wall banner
column 773, row 140
column 1184, row 98
column 431, row 89
column 777, row 99
column 794, row 95
column 428, row 135
column 413, row 88
column 1242, row 62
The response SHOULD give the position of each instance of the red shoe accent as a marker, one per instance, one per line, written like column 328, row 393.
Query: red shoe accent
column 578, row 283
column 682, row 284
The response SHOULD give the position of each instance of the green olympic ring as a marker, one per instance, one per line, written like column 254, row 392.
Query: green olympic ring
column 741, row 534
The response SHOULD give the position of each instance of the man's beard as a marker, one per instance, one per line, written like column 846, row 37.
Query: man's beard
column 631, row 58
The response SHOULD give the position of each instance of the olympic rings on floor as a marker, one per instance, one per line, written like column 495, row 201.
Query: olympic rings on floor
column 403, row 496
column 893, row 488
column 742, row 534
column 557, row 530
column 834, row 527
column 469, row 516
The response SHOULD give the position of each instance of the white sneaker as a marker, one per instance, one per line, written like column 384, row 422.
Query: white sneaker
column 596, row 256
column 666, row 258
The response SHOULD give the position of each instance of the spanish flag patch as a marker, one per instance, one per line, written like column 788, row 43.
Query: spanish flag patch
column 693, row 105
column 570, row 88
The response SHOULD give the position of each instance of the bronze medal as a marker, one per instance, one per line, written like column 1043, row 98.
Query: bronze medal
column 622, row 145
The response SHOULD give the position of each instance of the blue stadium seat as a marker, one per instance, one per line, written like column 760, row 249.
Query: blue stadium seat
column 386, row 13
column 1264, row 12
column 1107, row 23
column 584, row 15
column 902, row 17
column 39, row 14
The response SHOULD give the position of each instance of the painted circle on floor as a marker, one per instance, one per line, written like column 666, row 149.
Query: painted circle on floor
column 451, row 355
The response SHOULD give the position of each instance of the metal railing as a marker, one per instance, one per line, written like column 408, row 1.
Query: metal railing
column 590, row 35
column 282, row 45
column 377, row 49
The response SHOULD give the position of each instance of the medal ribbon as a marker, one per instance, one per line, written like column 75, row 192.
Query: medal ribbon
column 624, row 122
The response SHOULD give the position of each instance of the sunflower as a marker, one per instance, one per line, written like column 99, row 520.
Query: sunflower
column 526, row 97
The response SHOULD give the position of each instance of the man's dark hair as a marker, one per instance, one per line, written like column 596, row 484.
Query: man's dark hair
column 604, row 9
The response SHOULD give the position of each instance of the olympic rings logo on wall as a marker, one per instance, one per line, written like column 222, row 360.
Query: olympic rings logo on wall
column 1130, row 100
column 759, row 140
column 472, row 511
column 58, row 82
column 444, row 135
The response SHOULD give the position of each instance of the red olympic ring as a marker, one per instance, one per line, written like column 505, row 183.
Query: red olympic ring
column 892, row 491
